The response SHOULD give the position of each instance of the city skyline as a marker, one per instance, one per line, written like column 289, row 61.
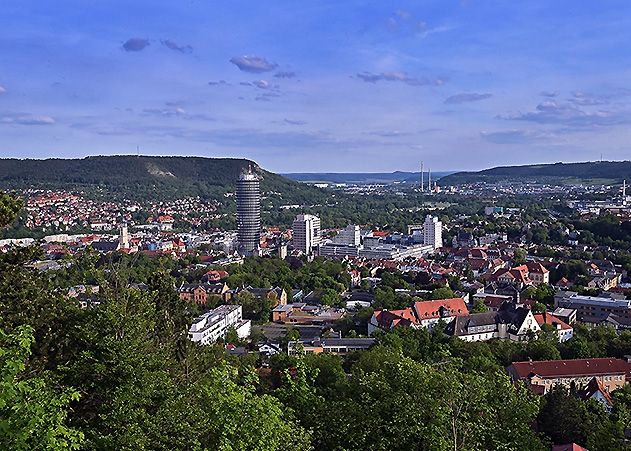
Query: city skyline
column 327, row 87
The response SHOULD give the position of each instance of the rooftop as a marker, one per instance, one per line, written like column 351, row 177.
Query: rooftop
column 573, row 368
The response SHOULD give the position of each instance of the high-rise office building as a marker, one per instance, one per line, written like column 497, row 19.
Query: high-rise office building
column 123, row 238
column 248, row 212
column 433, row 232
column 351, row 235
column 306, row 233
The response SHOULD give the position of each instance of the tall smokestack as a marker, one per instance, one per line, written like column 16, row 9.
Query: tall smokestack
column 429, row 179
column 421, row 176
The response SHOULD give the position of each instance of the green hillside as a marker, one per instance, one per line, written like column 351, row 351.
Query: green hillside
column 143, row 177
column 562, row 173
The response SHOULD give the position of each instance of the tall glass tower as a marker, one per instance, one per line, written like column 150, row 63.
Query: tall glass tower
column 248, row 212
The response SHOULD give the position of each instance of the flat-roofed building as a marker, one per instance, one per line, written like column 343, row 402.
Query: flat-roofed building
column 330, row 345
column 593, row 311
column 306, row 233
column 215, row 324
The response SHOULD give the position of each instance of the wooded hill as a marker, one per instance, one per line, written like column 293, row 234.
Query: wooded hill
column 563, row 173
column 145, row 177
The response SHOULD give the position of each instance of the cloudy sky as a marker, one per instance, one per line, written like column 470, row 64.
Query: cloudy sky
column 341, row 86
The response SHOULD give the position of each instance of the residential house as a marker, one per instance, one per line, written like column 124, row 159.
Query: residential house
column 596, row 390
column 563, row 330
column 214, row 276
column 385, row 320
column 200, row 292
column 277, row 294
column 530, row 273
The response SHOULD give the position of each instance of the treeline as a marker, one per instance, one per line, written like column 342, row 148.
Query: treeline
column 146, row 178
column 616, row 170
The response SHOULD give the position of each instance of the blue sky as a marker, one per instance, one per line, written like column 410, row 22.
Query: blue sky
column 340, row 86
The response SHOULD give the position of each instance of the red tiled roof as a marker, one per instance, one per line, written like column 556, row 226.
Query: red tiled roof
column 495, row 301
column 431, row 309
column 387, row 319
column 551, row 320
column 564, row 282
column 478, row 253
column 594, row 387
column 571, row 368
column 535, row 267
column 569, row 447
column 478, row 263
column 519, row 273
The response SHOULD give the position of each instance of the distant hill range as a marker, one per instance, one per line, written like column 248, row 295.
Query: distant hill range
column 592, row 172
column 360, row 178
column 137, row 177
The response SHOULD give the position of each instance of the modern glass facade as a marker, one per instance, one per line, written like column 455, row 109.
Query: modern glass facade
column 248, row 212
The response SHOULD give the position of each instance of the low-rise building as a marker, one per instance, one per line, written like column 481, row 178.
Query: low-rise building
column 592, row 311
column 303, row 313
column 508, row 323
column 276, row 294
column 563, row 330
column 331, row 345
column 200, row 292
column 541, row 376
column 215, row 324
column 421, row 314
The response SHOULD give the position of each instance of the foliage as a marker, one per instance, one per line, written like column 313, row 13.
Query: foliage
column 9, row 208
column 617, row 170
column 33, row 413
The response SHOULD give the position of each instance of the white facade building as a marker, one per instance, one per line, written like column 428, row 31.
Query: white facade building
column 433, row 232
column 306, row 233
column 215, row 324
column 351, row 235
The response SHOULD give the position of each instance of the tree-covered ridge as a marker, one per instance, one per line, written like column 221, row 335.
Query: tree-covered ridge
column 143, row 177
column 615, row 171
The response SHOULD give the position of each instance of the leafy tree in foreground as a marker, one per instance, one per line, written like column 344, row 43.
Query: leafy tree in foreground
column 32, row 414
column 393, row 402
column 9, row 209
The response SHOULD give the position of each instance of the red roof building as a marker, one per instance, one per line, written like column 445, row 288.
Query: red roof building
column 570, row 447
column 563, row 329
column 611, row 373
column 421, row 314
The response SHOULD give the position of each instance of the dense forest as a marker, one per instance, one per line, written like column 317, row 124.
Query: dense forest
column 614, row 171
column 142, row 178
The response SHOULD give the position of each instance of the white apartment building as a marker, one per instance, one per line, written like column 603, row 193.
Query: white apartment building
column 215, row 324
column 306, row 233
column 433, row 232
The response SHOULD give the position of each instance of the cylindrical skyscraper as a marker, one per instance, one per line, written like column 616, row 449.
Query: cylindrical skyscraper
column 248, row 212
